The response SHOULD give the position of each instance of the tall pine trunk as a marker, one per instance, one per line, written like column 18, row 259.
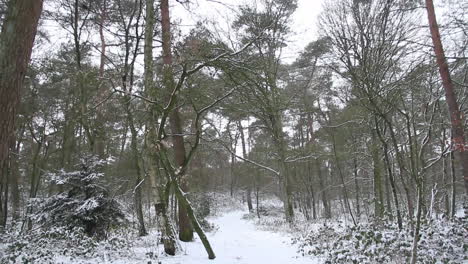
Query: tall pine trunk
column 458, row 136
column 16, row 42
column 185, row 228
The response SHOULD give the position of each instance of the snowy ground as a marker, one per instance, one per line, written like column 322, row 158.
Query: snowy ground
column 238, row 241
column 237, row 238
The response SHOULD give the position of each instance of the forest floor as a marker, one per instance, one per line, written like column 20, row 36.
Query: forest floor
column 239, row 237
column 240, row 241
column 236, row 237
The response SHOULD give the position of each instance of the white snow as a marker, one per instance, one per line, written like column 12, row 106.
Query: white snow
column 238, row 241
column 235, row 241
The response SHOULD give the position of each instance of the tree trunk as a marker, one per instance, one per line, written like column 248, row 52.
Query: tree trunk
column 138, row 179
column 127, row 83
column 160, row 204
column 394, row 191
column 4, row 195
column 79, row 77
column 16, row 42
column 391, row 179
column 358, row 207
column 232, row 173
column 326, row 204
column 287, row 189
column 388, row 194
column 257, row 194
column 378, row 191
column 244, row 154
column 68, row 137
column 458, row 136
column 402, row 168
column 99, row 146
column 15, row 177
column 185, row 229
column 445, row 190
column 453, row 186
column 414, row 251
column 249, row 198
column 181, row 197
column 281, row 148
column 310, row 189
column 157, row 190
column 345, row 191
column 37, row 167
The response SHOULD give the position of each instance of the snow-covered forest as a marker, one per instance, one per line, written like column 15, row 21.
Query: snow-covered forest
column 214, row 131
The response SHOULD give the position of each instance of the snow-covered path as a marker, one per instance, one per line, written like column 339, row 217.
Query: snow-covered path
column 239, row 242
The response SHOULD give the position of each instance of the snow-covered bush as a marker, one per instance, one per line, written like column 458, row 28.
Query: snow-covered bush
column 202, row 207
column 271, row 216
column 84, row 203
column 62, row 245
column 71, row 224
column 440, row 242
column 42, row 247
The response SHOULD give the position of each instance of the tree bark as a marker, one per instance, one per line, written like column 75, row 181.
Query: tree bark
column 414, row 250
column 138, row 179
column 232, row 174
column 160, row 204
column 340, row 173
column 378, row 191
column 458, row 136
column 155, row 178
column 79, row 76
column 358, row 206
column 390, row 177
column 453, row 193
column 99, row 146
column 311, row 191
column 281, row 148
column 15, row 175
column 185, row 228
column 402, row 168
column 4, row 195
column 244, row 154
column 16, row 42
column 127, row 80
column 181, row 197
column 326, row 204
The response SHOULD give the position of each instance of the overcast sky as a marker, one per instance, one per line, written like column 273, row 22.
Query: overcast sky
column 222, row 12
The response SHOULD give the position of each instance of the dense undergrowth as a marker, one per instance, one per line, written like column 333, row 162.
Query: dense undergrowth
column 333, row 241
column 61, row 245
column 62, row 242
column 440, row 242
column 338, row 241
